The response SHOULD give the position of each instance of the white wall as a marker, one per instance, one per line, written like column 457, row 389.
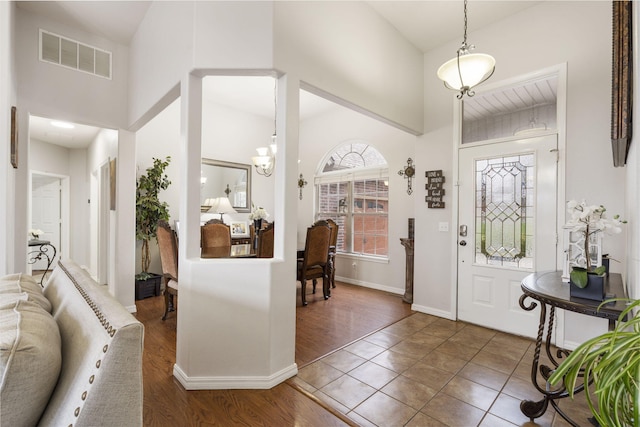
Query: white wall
column 8, row 97
column 552, row 30
column 207, row 35
column 321, row 135
column 348, row 50
column 49, row 158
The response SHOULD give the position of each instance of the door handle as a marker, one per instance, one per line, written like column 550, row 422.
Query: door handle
column 463, row 243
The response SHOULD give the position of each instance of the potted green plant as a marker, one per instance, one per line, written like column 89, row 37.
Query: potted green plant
column 150, row 210
column 588, row 220
column 611, row 364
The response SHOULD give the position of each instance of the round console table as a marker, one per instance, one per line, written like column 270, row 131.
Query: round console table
column 548, row 290
column 43, row 249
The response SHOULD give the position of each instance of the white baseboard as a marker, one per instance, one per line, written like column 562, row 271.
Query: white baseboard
column 228, row 383
column 433, row 311
column 132, row 308
column 376, row 286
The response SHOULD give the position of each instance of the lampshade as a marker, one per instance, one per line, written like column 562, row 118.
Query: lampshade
column 221, row 205
column 466, row 70
column 265, row 160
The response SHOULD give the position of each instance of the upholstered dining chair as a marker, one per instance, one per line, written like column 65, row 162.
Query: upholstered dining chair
column 265, row 242
column 313, row 265
column 215, row 233
column 168, row 245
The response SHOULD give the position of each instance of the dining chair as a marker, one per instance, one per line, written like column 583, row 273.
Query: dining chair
column 168, row 245
column 313, row 264
column 265, row 242
column 215, row 233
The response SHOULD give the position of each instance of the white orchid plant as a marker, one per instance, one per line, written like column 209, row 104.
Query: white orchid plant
column 258, row 213
column 589, row 220
column 35, row 232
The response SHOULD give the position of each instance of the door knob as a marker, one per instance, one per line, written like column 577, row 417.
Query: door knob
column 463, row 243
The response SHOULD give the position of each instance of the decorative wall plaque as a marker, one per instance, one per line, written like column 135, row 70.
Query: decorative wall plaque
column 435, row 192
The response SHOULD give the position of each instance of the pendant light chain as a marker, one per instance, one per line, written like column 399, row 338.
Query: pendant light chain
column 464, row 40
column 275, row 106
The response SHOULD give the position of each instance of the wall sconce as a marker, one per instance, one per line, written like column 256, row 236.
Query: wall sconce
column 265, row 161
column 408, row 172
column 301, row 184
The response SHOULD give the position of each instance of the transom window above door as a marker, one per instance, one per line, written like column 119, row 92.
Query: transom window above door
column 525, row 110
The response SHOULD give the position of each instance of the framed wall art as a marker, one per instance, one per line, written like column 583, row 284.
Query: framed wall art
column 14, row 137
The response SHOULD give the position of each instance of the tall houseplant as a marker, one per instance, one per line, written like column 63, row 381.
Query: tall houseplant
column 149, row 209
column 611, row 362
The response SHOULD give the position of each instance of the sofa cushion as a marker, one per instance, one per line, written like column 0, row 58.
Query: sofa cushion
column 27, row 286
column 30, row 361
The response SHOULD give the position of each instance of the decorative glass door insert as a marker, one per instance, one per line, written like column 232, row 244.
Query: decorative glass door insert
column 505, row 211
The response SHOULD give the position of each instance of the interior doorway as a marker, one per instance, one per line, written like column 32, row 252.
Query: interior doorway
column 49, row 213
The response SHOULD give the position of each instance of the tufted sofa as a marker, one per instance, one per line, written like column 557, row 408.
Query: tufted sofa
column 70, row 354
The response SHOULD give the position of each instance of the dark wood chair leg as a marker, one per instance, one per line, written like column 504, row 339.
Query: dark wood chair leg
column 326, row 285
column 333, row 272
column 315, row 282
column 303, row 291
column 166, row 304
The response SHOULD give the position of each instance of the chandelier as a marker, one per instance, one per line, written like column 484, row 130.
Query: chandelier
column 265, row 161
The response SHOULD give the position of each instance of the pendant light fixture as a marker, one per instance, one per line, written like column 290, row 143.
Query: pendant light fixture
column 467, row 69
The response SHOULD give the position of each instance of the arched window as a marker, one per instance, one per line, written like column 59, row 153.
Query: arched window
column 352, row 188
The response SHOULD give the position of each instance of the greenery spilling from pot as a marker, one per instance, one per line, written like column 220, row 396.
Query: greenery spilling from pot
column 611, row 362
column 149, row 209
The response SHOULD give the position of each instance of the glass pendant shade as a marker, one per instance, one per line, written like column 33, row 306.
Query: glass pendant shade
column 466, row 70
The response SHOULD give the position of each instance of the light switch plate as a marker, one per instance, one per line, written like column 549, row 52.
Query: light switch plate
column 443, row 226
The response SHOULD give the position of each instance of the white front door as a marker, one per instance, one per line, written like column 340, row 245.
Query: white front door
column 46, row 214
column 507, row 229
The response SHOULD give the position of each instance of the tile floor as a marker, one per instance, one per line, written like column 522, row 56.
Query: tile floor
column 428, row 371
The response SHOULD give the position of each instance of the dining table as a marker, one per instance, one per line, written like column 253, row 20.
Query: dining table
column 232, row 251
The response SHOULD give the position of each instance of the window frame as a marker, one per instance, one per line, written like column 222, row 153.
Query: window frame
column 350, row 176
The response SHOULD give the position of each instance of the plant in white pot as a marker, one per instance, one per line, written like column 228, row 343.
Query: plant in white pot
column 588, row 220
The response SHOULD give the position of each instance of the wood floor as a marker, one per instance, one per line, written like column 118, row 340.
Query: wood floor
column 322, row 327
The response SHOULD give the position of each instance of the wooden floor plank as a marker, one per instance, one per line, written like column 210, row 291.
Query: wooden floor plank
column 323, row 327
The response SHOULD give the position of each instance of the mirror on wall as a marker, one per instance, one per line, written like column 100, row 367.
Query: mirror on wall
column 225, row 179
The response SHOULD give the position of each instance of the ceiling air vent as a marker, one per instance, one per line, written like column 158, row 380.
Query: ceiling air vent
column 69, row 53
